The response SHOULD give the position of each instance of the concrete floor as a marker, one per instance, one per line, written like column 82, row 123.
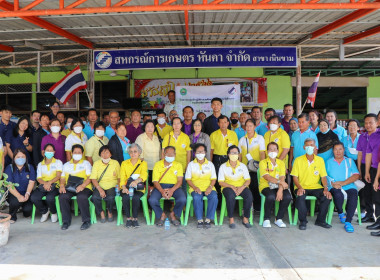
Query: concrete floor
column 44, row 251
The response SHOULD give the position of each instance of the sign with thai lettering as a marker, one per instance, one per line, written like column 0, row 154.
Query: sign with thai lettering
column 196, row 58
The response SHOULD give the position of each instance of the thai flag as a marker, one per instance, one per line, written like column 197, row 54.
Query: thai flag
column 69, row 85
column 312, row 93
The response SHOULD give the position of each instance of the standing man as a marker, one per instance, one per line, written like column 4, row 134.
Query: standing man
column 257, row 115
column 188, row 114
column 173, row 114
column 111, row 128
column 106, row 119
column 134, row 129
column 210, row 124
column 262, row 129
column 288, row 114
column 35, row 120
column 6, row 126
column 92, row 118
column 37, row 138
column 170, row 105
column 240, row 131
column 162, row 127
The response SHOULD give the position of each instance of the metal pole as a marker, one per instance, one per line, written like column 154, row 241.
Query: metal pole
column 298, row 83
column 38, row 72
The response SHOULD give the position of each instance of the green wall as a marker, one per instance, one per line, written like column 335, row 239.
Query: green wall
column 373, row 89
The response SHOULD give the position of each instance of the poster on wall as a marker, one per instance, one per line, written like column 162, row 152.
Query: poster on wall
column 154, row 92
column 199, row 98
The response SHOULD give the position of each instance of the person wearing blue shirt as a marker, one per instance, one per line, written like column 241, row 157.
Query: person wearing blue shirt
column 350, row 142
column 92, row 118
column 6, row 125
column 239, row 129
column 21, row 173
column 299, row 137
column 315, row 117
column 332, row 117
column 111, row 128
column 342, row 173
column 119, row 144
column 327, row 139
column 263, row 127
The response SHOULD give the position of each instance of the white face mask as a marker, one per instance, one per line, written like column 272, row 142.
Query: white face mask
column 77, row 156
column 55, row 129
column 272, row 154
column 161, row 121
column 99, row 132
column 106, row 160
column 200, row 156
column 273, row 127
column 78, row 129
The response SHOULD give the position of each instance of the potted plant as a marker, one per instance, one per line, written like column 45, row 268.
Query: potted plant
column 4, row 218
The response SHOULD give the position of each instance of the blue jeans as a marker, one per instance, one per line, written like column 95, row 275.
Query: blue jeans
column 198, row 204
column 179, row 196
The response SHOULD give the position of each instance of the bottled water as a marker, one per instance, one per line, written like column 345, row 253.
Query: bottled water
column 167, row 224
column 131, row 191
column 117, row 191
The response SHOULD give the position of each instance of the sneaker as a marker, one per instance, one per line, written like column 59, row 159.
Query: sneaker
column 12, row 221
column 280, row 223
column 128, row 224
column 342, row 218
column 348, row 227
column 266, row 224
column 44, row 217
column 207, row 225
column 54, row 218
column 135, row 224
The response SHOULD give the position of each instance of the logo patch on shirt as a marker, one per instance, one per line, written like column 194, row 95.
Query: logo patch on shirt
column 175, row 172
column 184, row 146
column 276, row 140
column 27, row 176
column 316, row 172
column 240, row 170
column 53, row 167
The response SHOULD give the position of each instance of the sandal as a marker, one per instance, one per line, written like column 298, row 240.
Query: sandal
column 160, row 223
column 342, row 218
column 348, row 227
column 175, row 223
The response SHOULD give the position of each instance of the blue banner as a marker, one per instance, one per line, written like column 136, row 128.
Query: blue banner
column 196, row 58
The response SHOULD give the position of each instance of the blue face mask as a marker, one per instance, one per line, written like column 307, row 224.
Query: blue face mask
column 169, row 159
column 326, row 131
column 49, row 155
column 309, row 150
column 20, row 161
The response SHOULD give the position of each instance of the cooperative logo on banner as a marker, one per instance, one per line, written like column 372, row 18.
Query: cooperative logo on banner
column 232, row 91
column 183, row 91
column 103, row 60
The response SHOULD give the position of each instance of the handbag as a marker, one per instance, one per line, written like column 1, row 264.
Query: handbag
column 140, row 186
column 72, row 183
column 41, row 188
column 252, row 165
column 359, row 184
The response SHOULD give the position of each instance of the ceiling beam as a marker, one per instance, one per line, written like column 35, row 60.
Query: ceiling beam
column 187, row 25
column 6, row 48
column 362, row 35
column 6, row 6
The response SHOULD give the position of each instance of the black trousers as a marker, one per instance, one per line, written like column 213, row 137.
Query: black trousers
column 366, row 194
column 270, row 198
column 135, row 203
column 83, row 204
column 254, row 187
column 375, row 195
column 230, row 196
column 218, row 160
column 323, row 205
column 14, row 205
column 109, row 199
column 352, row 201
column 44, row 205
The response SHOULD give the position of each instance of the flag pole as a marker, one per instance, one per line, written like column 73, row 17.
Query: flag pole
column 304, row 105
column 88, row 96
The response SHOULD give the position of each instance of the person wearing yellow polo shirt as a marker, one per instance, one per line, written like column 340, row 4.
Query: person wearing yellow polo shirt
column 167, row 181
column 105, row 176
column 133, row 174
column 255, row 145
column 48, row 175
column 97, row 141
column 234, row 179
column 308, row 170
column 162, row 127
column 181, row 142
column 76, row 136
column 278, row 135
column 272, row 185
column 201, row 177
column 79, row 169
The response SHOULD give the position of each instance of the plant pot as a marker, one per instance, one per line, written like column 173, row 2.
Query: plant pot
column 4, row 228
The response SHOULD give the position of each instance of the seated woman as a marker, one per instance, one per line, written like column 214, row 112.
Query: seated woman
column 326, row 139
column 105, row 176
column 21, row 173
column 133, row 174
column 79, row 171
column 119, row 144
column 272, row 185
column 49, row 172
column 234, row 180
column 201, row 177
column 342, row 173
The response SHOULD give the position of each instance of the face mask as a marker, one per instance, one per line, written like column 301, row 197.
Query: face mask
column 106, row 160
column 20, row 161
column 55, row 129
column 233, row 157
column 99, row 133
column 78, row 129
column 273, row 127
column 272, row 154
column 77, row 157
column 161, row 121
column 68, row 125
column 326, row 131
column 234, row 121
column 200, row 156
column 309, row 150
column 169, row 159
column 49, row 155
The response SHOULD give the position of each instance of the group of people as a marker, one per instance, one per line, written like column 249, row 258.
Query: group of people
column 285, row 159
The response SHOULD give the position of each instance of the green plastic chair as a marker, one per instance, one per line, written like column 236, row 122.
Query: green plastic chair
column 223, row 209
column 93, row 212
column 190, row 208
column 162, row 207
column 34, row 211
column 144, row 202
column 276, row 206
column 76, row 209
column 330, row 215
column 313, row 199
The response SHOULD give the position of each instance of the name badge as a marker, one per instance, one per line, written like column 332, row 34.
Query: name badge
column 248, row 156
